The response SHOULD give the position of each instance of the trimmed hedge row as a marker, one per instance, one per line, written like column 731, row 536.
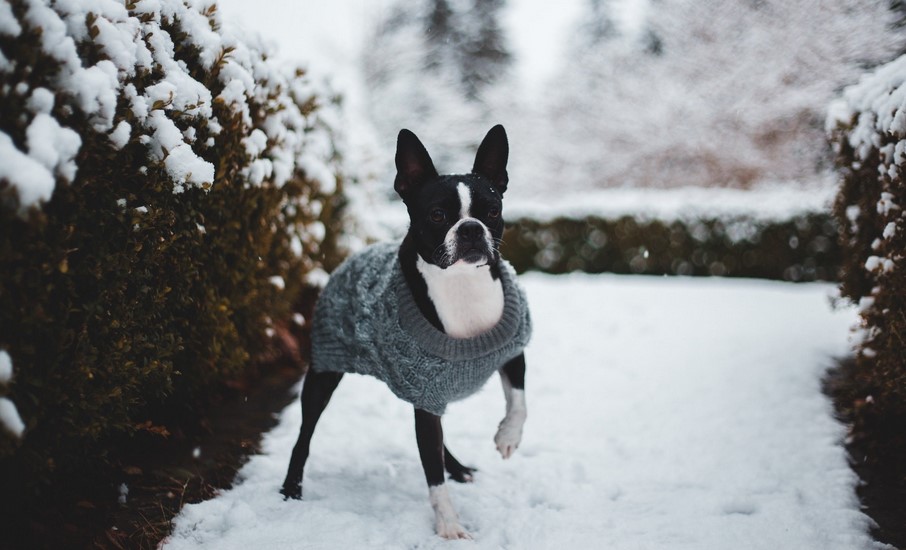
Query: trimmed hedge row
column 868, row 133
column 204, row 187
column 801, row 249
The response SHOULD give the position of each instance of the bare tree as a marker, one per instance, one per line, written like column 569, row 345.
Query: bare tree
column 429, row 67
column 727, row 93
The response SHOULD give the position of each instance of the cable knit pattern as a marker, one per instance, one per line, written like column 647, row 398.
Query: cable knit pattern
column 367, row 322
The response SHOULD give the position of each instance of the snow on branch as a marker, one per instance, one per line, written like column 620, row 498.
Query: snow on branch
column 867, row 127
column 9, row 414
column 151, row 72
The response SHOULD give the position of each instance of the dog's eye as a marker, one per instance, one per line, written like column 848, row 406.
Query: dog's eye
column 438, row 215
column 494, row 213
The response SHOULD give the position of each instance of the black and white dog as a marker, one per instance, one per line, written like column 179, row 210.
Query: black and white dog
column 451, row 265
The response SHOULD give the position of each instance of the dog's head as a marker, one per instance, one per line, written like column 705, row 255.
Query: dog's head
column 454, row 219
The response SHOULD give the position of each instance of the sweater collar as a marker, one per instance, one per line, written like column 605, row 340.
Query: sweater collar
column 439, row 343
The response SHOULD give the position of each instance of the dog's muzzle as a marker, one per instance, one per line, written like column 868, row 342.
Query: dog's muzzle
column 471, row 243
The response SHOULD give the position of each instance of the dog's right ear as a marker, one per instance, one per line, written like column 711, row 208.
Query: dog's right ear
column 490, row 161
column 413, row 164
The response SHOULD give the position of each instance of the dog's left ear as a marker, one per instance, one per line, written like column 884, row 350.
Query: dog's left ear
column 490, row 161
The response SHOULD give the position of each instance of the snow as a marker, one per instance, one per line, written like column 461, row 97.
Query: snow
column 680, row 413
column 880, row 100
column 180, row 161
column 886, row 204
column 10, row 419
column 6, row 65
column 53, row 146
column 317, row 171
column 277, row 281
column 95, row 91
column 184, row 166
column 6, row 367
column 40, row 101
column 9, row 416
column 871, row 118
column 8, row 24
column 33, row 181
column 875, row 263
column 141, row 44
column 766, row 203
column 119, row 137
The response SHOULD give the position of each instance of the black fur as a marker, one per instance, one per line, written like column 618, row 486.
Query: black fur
column 316, row 392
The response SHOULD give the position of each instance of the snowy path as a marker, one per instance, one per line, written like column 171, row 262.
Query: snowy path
column 663, row 413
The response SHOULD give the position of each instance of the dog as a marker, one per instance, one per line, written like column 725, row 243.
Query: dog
column 434, row 317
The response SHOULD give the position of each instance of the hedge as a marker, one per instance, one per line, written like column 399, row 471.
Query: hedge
column 803, row 248
column 867, row 128
column 165, row 192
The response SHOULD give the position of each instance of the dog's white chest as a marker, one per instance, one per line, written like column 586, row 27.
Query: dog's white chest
column 467, row 299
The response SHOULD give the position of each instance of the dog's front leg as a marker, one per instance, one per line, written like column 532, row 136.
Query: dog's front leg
column 509, row 433
column 430, row 437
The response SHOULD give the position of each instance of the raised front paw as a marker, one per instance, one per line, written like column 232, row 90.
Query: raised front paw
column 509, row 434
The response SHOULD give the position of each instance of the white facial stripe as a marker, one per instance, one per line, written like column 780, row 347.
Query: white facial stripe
column 465, row 200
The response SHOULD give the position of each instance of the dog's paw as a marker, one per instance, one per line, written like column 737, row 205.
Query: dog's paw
column 292, row 491
column 451, row 530
column 509, row 434
column 445, row 519
column 462, row 474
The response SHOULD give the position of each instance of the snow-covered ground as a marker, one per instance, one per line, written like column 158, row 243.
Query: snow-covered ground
column 663, row 413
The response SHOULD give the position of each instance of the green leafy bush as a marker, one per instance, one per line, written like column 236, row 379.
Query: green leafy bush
column 165, row 193
column 800, row 249
column 869, row 136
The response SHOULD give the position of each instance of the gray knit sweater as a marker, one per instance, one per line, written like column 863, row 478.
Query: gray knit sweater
column 366, row 321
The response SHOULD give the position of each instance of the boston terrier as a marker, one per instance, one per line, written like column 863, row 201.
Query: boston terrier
column 434, row 317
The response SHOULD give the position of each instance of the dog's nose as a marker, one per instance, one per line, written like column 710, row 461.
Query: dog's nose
column 471, row 231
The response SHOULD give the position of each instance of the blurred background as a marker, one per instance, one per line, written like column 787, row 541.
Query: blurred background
column 595, row 94
column 647, row 136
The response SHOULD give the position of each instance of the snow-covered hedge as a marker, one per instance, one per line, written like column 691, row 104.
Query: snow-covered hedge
column 776, row 232
column 165, row 192
column 868, row 130
column 802, row 248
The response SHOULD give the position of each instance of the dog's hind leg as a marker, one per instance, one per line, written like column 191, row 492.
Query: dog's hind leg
column 509, row 433
column 458, row 472
column 430, row 437
column 316, row 391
